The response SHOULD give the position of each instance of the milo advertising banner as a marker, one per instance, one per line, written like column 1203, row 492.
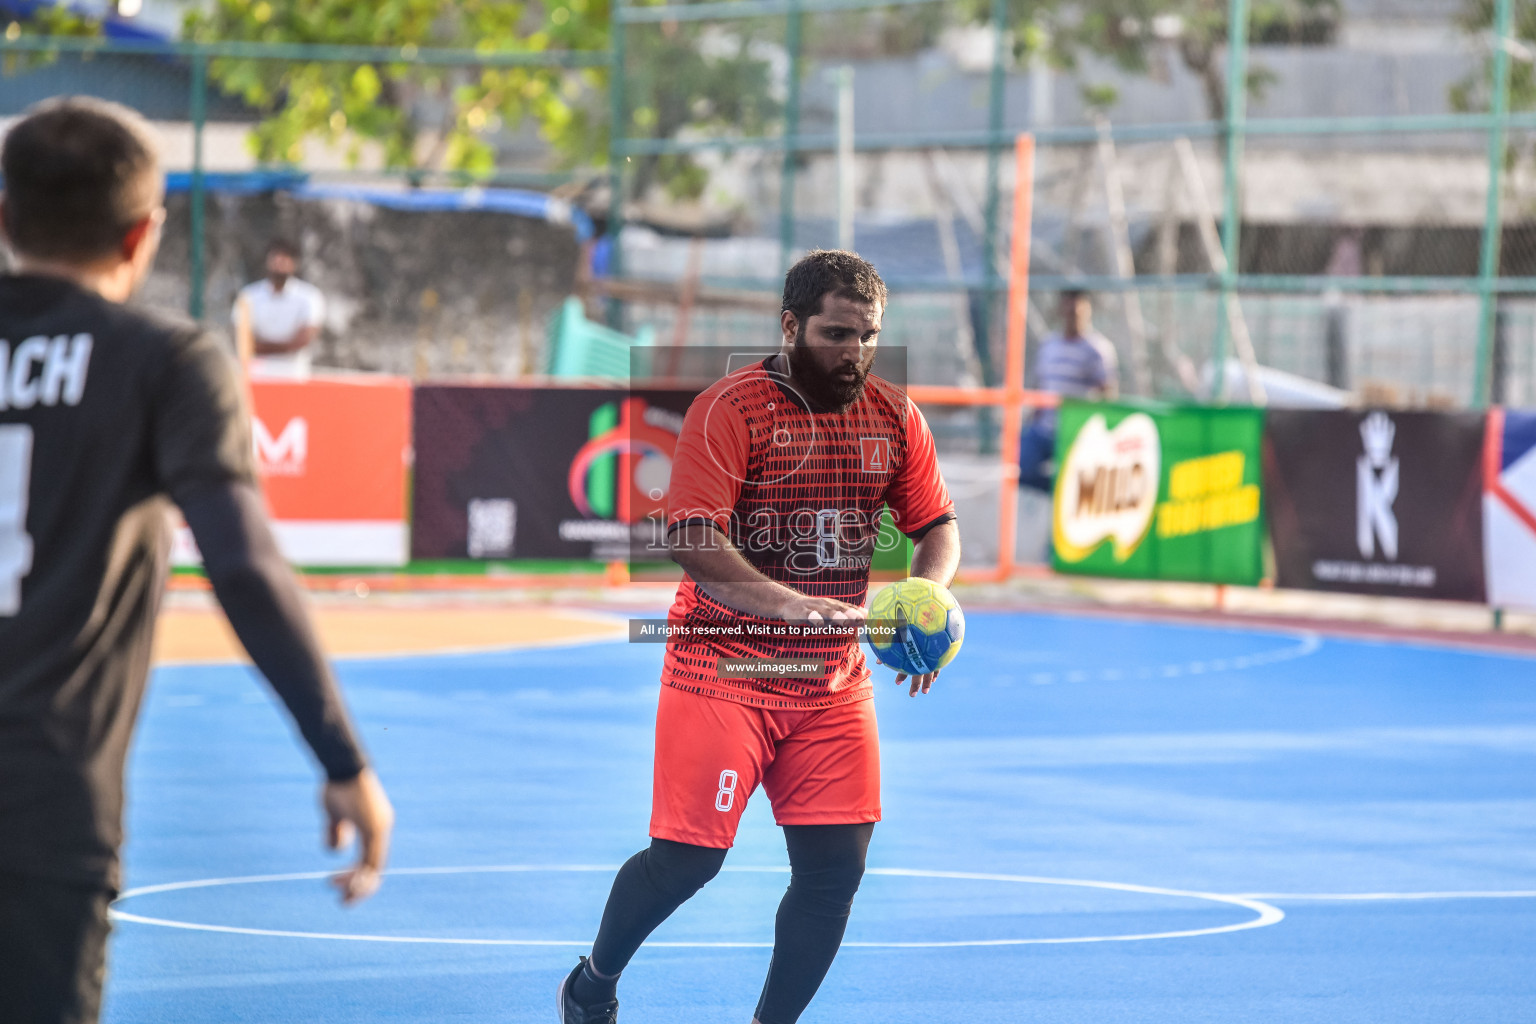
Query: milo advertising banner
column 1158, row 492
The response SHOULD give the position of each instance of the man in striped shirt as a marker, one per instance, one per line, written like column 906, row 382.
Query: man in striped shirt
column 1078, row 362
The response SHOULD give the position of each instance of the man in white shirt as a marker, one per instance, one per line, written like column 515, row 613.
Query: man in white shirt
column 278, row 317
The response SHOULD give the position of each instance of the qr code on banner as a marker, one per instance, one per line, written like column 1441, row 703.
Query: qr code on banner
column 492, row 526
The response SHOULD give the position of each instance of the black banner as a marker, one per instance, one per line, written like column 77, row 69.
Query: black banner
column 562, row 473
column 1376, row 502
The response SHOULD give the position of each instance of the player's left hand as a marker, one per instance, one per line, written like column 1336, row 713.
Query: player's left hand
column 919, row 683
column 358, row 807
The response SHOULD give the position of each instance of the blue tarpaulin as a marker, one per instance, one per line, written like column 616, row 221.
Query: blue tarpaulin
column 239, row 183
column 519, row 202
column 494, row 200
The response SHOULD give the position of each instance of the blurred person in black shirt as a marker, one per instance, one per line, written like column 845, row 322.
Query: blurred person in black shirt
column 109, row 414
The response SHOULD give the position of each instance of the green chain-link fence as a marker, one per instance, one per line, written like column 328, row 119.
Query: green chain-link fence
column 1380, row 252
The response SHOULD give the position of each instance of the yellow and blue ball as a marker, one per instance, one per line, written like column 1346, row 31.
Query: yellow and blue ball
column 915, row 626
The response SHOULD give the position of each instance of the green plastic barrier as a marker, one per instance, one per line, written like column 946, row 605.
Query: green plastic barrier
column 580, row 348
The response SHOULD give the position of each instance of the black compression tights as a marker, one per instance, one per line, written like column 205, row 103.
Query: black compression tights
column 650, row 885
column 826, row 865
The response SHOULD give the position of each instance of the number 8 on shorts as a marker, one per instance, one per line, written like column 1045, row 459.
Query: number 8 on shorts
column 725, row 799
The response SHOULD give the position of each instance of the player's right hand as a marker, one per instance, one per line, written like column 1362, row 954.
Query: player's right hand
column 801, row 608
column 358, row 806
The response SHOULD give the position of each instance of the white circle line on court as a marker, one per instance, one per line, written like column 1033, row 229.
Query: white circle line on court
column 1265, row 914
column 1307, row 643
column 1492, row 894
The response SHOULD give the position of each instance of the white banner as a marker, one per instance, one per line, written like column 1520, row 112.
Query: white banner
column 1509, row 509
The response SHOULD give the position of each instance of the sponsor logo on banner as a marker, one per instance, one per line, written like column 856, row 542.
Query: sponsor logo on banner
column 1377, row 502
column 332, row 455
column 520, row 472
column 492, row 527
column 1171, row 493
column 623, row 470
column 876, row 452
column 619, row 479
column 1378, row 477
column 283, row 455
column 1107, row 487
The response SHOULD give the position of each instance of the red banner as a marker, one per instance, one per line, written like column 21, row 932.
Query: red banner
column 333, row 454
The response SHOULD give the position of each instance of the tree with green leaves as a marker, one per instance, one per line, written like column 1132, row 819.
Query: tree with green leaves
column 442, row 118
column 1473, row 94
column 1476, row 19
column 432, row 117
column 698, row 77
column 424, row 116
column 1139, row 37
column 45, row 20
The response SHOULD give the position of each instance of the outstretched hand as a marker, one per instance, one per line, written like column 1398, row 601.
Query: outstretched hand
column 358, row 807
column 919, row 683
column 818, row 610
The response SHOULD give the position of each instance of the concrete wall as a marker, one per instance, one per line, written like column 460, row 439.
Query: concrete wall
column 422, row 293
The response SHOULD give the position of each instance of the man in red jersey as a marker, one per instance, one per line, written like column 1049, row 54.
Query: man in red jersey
column 780, row 475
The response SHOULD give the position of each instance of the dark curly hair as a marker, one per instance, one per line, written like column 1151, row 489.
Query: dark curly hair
column 837, row 271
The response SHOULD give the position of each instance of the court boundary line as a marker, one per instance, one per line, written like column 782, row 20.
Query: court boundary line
column 1513, row 645
column 1266, row 914
column 437, row 652
column 1361, row 897
column 1309, row 643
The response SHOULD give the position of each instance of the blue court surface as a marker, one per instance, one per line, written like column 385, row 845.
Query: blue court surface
column 1090, row 819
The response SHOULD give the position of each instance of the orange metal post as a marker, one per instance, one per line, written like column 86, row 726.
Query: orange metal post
column 1013, row 362
column 942, row 394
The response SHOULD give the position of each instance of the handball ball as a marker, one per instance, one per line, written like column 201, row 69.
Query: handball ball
column 928, row 626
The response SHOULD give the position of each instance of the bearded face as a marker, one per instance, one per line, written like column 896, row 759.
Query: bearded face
column 832, row 352
column 833, row 388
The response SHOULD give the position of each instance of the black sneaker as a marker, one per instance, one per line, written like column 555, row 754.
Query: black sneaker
column 572, row 1012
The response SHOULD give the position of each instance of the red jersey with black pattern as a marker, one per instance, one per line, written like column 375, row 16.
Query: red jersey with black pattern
column 800, row 495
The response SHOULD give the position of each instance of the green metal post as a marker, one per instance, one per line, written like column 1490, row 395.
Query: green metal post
column 197, row 255
column 618, row 132
column 1232, row 157
column 982, row 340
column 792, row 45
column 1488, row 261
column 995, row 94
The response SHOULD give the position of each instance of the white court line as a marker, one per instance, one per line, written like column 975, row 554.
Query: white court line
column 1308, row 644
column 1265, row 913
column 1508, row 894
column 620, row 634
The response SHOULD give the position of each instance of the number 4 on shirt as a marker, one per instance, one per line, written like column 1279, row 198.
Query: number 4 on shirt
column 876, row 452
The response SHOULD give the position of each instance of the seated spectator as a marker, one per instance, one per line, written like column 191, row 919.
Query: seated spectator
column 1077, row 362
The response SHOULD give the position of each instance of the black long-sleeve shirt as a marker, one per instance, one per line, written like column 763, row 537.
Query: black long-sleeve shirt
column 107, row 415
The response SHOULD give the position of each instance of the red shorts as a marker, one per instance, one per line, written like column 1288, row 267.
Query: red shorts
column 819, row 767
